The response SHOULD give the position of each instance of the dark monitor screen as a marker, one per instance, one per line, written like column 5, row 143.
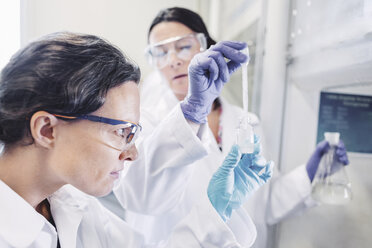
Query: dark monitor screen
column 351, row 116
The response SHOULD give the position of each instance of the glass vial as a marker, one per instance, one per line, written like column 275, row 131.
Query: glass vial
column 245, row 135
column 331, row 184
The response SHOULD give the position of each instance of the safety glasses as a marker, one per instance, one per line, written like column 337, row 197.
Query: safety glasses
column 184, row 47
column 120, row 135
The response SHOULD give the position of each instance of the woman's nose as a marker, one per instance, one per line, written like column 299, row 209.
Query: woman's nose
column 173, row 60
column 129, row 154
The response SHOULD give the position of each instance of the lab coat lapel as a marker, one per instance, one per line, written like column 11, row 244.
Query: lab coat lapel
column 67, row 215
column 20, row 224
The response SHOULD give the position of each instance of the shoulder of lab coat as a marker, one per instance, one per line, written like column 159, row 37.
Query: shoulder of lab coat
column 20, row 224
column 156, row 181
column 82, row 221
column 203, row 227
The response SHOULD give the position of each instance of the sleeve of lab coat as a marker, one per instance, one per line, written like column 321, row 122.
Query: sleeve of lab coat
column 203, row 227
column 289, row 195
column 156, row 181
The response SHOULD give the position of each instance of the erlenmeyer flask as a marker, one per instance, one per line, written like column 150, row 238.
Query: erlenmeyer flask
column 331, row 184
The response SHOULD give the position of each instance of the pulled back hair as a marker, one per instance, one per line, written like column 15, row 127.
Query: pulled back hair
column 62, row 73
column 185, row 16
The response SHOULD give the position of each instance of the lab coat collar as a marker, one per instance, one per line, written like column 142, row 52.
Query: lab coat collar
column 68, row 206
column 20, row 224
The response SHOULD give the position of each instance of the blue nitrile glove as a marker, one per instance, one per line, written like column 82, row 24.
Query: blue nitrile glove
column 208, row 72
column 237, row 178
column 322, row 148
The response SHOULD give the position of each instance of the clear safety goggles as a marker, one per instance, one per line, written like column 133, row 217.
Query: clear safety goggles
column 120, row 134
column 184, row 47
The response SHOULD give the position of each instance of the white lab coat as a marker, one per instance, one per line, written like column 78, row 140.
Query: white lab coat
column 82, row 221
column 160, row 176
column 289, row 194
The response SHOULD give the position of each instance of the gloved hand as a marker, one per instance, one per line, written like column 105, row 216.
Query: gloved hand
column 237, row 178
column 208, row 72
column 322, row 148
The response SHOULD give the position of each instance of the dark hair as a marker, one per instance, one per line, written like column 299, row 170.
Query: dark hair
column 185, row 16
column 62, row 73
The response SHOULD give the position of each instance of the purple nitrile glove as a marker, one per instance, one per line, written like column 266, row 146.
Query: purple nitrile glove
column 208, row 72
column 322, row 148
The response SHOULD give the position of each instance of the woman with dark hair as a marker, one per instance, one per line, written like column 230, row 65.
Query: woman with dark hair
column 63, row 102
column 175, row 36
column 69, row 113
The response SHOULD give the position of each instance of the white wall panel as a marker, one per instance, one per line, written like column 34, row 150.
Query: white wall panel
column 329, row 48
column 123, row 22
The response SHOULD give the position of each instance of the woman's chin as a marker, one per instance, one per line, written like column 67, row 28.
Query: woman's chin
column 180, row 93
column 180, row 96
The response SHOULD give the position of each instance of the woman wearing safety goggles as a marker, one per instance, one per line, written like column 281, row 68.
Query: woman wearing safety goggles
column 69, row 117
column 183, row 47
column 178, row 38
column 178, row 51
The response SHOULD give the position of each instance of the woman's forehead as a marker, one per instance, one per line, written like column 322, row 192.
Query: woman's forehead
column 122, row 103
column 166, row 30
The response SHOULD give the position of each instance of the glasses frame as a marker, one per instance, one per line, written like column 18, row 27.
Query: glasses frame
column 201, row 38
column 135, row 127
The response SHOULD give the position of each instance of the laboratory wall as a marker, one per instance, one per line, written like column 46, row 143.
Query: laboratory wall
column 263, row 25
column 303, row 48
column 123, row 22
column 329, row 50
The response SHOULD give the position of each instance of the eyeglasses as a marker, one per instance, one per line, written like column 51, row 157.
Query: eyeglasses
column 184, row 47
column 121, row 136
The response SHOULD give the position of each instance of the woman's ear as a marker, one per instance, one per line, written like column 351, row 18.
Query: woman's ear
column 42, row 126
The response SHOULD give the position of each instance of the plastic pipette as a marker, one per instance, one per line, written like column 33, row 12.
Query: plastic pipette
column 245, row 82
column 245, row 134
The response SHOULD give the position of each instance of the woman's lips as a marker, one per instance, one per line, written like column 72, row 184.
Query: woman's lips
column 116, row 174
column 180, row 76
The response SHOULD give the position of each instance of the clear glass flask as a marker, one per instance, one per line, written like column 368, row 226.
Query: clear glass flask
column 331, row 184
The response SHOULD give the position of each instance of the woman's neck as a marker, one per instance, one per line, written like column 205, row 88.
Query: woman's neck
column 22, row 171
